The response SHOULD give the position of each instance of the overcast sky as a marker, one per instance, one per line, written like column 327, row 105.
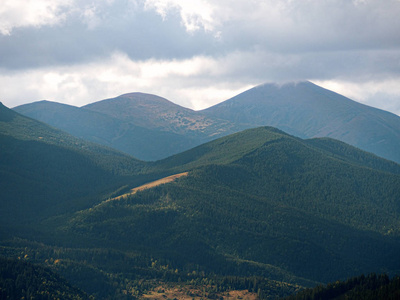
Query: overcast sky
column 197, row 53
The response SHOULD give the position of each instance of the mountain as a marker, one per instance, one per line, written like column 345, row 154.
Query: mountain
column 44, row 171
column 123, row 135
column 259, row 202
column 307, row 110
column 154, row 112
column 250, row 140
column 260, row 211
column 145, row 126
column 152, row 128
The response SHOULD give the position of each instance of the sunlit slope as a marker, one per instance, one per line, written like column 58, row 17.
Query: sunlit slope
column 223, row 150
column 230, row 148
column 307, row 110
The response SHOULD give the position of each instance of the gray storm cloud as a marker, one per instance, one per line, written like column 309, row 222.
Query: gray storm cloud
column 248, row 42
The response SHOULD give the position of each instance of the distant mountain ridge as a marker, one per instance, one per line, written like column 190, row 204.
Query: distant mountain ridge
column 150, row 127
column 140, row 142
column 155, row 112
column 307, row 110
column 145, row 126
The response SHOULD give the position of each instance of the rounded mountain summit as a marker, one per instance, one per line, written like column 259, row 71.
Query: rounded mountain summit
column 150, row 127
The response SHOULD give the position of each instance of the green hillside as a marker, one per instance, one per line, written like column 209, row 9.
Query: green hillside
column 221, row 151
column 230, row 148
column 307, row 110
column 260, row 210
column 257, row 203
column 22, row 280
column 45, row 172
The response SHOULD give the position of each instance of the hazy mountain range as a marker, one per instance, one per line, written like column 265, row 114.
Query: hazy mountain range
column 145, row 126
column 151, row 128
column 259, row 210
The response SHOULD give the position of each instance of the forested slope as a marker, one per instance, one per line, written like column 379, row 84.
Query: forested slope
column 259, row 210
column 23, row 280
column 276, row 206
column 372, row 286
column 44, row 171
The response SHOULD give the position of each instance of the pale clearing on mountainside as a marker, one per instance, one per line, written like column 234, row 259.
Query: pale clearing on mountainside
column 151, row 185
column 189, row 293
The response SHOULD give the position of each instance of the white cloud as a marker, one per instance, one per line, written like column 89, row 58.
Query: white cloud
column 81, row 84
column 195, row 14
column 22, row 13
column 383, row 93
column 308, row 23
column 105, row 48
column 197, row 83
column 90, row 16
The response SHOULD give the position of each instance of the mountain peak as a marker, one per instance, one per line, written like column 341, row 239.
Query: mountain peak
column 154, row 112
column 43, row 103
column 281, row 84
column 139, row 108
column 307, row 110
column 133, row 100
column 300, row 108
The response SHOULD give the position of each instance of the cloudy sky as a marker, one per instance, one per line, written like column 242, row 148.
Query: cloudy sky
column 197, row 53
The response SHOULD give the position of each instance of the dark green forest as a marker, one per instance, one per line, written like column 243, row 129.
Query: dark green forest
column 370, row 287
column 259, row 210
column 23, row 280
